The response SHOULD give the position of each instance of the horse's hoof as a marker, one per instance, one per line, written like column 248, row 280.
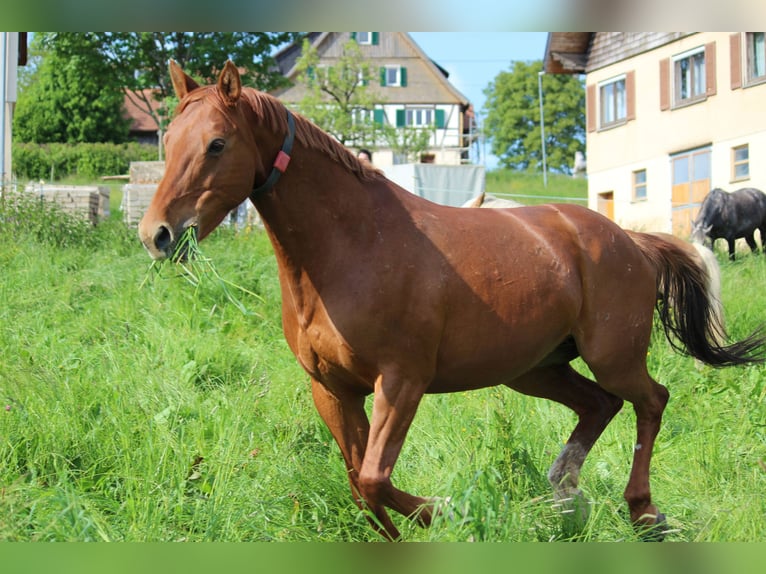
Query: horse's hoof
column 654, row 532
column 442, row 507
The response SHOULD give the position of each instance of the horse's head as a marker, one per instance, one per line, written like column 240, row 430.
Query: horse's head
column 211, row 161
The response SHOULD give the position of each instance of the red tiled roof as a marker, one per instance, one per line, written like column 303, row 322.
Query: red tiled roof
column 141, row 121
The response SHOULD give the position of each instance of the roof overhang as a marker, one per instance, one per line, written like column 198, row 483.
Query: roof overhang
column 567, row 52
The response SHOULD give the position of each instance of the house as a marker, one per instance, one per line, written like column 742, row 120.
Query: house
column 143, row 127
column 669, row 116
column 414, row 91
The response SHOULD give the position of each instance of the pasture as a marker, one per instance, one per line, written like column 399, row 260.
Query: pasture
column 139, row 406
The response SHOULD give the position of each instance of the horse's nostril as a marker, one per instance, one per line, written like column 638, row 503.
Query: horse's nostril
column 163, row 238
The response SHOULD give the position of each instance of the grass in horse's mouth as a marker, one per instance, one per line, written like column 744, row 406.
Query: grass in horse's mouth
column 196, row 268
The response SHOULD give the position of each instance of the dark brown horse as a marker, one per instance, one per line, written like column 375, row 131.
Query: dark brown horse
column 386, row 293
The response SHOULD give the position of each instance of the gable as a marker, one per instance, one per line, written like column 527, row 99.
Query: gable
column 427, row 82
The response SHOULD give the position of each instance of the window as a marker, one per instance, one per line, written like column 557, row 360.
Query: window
column 612, row 97
column 361, row 116
column 639, row 185
column 393, row 76
column 420, row 118
column 610, row 103
column 740, row 162
column 366, row 38
column 689, row 77
column 756, row 57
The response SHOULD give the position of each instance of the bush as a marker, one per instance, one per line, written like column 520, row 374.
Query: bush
column 88, row 160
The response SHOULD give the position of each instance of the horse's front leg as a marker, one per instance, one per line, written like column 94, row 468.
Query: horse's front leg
column 397, row 397
column 344, row 415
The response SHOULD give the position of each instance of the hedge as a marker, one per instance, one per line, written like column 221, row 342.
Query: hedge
column 89, row 160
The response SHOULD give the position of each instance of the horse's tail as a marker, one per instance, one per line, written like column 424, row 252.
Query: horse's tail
column 688, row 303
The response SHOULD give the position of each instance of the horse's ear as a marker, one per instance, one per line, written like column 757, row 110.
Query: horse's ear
column 182, row 83
column 230, row 84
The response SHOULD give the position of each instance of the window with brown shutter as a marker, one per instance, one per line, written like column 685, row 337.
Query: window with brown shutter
column 693, row 77
column 616, row 101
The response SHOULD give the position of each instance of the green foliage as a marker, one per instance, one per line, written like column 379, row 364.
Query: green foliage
column 513, row 118
column 338, row 96
column 69, row 98
column 138, row 61
column 55, row 161
column 407, row 142
column 340, row 99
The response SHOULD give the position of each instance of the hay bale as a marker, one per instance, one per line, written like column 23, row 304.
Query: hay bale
column 88, row 201
column 136, row 198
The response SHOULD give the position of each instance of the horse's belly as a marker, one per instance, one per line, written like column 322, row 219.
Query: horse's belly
column 500, row 360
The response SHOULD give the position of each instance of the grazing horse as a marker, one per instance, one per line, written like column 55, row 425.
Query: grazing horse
column 729, row 216
column 386, row 293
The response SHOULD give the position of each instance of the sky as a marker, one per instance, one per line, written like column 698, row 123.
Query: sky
column 474, row 59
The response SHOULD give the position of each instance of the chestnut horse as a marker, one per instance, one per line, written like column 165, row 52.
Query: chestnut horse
column 386, row 293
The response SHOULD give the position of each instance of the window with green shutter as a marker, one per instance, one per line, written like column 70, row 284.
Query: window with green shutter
column 366, row 38
column 393, row 76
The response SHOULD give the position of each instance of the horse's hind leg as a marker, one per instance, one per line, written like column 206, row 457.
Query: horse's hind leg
column 633, row 383
column 594, row 407
column 750, row 239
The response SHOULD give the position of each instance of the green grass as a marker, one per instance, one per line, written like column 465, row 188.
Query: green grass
column 140, row 406
column 531, row 189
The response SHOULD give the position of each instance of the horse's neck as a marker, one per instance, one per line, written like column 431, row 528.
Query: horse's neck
column 317, row 210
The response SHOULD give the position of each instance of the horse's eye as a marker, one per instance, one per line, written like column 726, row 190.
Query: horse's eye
column 216, row 146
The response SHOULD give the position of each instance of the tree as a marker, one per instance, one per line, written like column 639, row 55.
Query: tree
column 338, row 97
column 63, row 100
column 136, row 63
column 513, row 118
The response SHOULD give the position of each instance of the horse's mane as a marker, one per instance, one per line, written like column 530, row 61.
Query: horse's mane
column 272, row 112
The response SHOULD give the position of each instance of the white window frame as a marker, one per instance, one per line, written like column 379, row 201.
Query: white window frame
column 697, row 78
column 364, row 42
column 419, row 117
column 397, row 70
column 640, row 189
column 739, row 163
column 362, row 115
column 755, row 58
column 615, row 103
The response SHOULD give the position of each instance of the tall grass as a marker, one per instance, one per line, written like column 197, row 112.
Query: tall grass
column 136, row 410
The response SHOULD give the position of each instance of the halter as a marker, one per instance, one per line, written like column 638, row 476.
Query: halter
column 281, row 161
